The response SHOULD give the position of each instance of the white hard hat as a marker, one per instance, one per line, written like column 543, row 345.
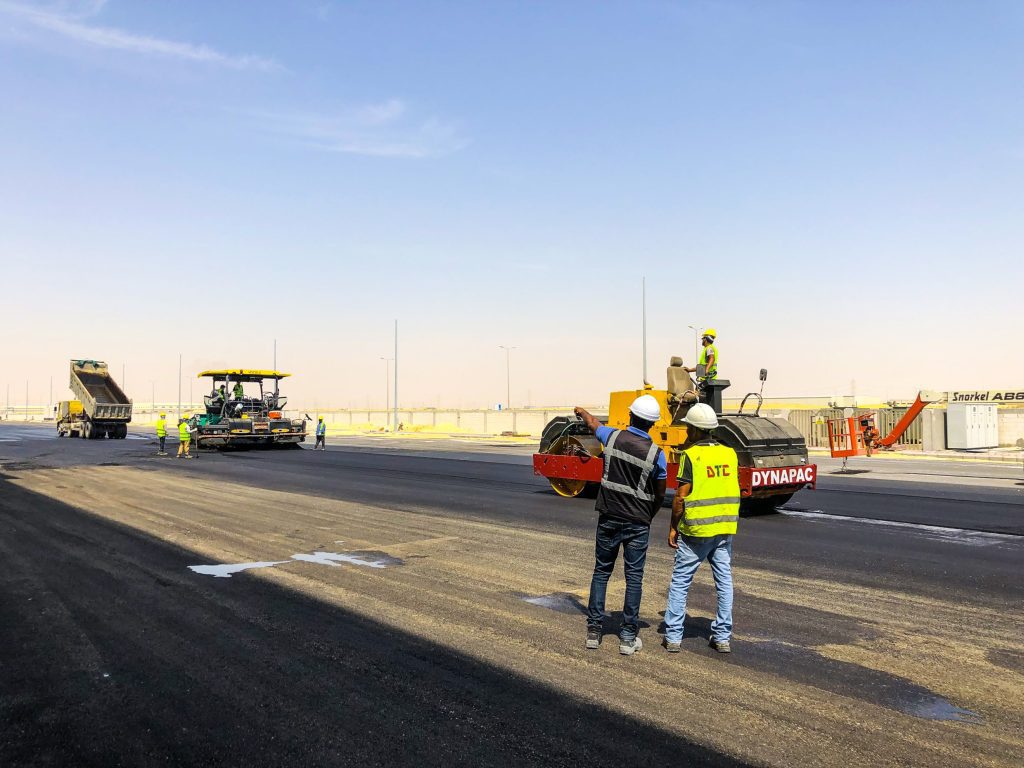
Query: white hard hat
column 646, row 408
column 701, row 416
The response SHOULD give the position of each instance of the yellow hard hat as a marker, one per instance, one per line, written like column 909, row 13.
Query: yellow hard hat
column 163, row 415
column 710, row 332
column 186, row 416
column 321, row 418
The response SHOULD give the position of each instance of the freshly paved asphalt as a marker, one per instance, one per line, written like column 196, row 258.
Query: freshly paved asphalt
column 265, row 675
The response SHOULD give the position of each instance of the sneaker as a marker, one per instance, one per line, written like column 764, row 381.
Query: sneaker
column 593, row 639
column 673, row 647
column 722, row 646
column 628, row 648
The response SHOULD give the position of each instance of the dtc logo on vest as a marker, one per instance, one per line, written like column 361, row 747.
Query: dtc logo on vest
column 718, row 470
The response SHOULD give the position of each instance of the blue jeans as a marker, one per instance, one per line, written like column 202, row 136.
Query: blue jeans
column 694, row 550
column 633, row 538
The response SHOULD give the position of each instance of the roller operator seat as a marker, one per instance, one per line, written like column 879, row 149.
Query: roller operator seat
column 679, row 381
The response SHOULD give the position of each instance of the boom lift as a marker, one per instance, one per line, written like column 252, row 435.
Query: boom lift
column 858, row 436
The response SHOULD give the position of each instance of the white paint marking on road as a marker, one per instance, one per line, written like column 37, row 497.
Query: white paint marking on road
column 954, row 535
column 224, row 570
column 333, row 558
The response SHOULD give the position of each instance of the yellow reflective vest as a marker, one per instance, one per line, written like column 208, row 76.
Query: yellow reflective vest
column 713, row 506
column 709, row 351
column 161, row 428
column 183, row 432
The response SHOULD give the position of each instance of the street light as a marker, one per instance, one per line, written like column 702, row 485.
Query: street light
column 387, row 385
column 508, row 374
column 697, row 332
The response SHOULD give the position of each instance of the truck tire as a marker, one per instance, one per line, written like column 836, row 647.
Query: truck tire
column 122, row 432
column 87, row 431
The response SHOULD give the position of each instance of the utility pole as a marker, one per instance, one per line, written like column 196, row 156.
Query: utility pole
column 387, row 386
column 696, row 342
column 644, row 303
column 26, row 399
column 179, row 385
column 396, row 376
column 508, row 374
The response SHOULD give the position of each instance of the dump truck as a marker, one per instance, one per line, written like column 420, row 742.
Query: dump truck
column 773, row 458
column 101, row 409
column 235, row 417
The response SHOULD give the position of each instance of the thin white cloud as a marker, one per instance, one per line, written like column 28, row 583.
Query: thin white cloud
column 73, row 26
column 380, row 130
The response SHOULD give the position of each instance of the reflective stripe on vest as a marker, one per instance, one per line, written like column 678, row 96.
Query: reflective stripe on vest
column 713, row 506
column 712, row 372
column 647, row 465
column 183, row 432
column 161, row 428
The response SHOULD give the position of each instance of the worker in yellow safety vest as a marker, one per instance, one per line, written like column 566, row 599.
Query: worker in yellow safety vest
column 708, row 356
column 184, row 437
column 161, row 433
column 705, row 512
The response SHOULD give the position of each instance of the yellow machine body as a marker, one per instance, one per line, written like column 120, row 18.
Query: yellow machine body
column 670, row 437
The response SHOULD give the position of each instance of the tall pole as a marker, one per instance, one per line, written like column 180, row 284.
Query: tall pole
column 26, row 399
column 179, row 385
column 124, row 381
column 50, row 404
column 152, row 401
column 508, row 375
column 395, row 403
column 696, row 342
column 387, row 387
column 644, row 302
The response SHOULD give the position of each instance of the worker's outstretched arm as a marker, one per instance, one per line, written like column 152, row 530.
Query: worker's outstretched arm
column 588, row 418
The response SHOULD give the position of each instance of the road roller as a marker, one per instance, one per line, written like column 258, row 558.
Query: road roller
column 773, row 459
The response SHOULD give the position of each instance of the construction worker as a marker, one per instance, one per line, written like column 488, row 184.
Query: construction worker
column 632, row 489
column 237, row 392
column 321, row 435
column 161, row 433
column 708, row 356
column 705, row 512
column 184, row 437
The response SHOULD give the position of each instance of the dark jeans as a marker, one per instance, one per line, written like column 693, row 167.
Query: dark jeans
column 320, row 441
column 633, row 538
column 162, row 439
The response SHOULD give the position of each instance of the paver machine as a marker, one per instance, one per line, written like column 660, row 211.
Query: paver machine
column 773, row 459
column 245, row 409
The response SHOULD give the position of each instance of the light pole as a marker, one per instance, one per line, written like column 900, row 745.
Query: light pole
column 508, row 374
column 395, row 403
column 697, row 330
column 152, row 399
column 387, row 385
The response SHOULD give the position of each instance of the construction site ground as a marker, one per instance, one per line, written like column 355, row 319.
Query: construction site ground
column 390, row 602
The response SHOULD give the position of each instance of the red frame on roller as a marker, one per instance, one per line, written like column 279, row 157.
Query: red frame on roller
column 753, row 481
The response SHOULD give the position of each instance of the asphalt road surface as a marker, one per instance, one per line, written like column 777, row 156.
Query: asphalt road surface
column 394, row 603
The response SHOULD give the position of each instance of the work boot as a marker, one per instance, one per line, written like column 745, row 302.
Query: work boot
column 629, row 647
column 673, row 647
column 722, row 646
column 593, row 639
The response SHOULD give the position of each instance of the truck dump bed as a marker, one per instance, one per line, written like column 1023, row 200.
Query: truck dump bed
column 101, row 398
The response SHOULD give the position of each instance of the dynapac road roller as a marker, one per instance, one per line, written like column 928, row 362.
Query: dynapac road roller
column 772, row 453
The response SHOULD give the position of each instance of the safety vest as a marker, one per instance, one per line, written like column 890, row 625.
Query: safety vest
column 709, row 350
column 627, row 486
column 713, row 506
column 183, row 431
column 321, row 428
column 161, row 428
column 238, row 392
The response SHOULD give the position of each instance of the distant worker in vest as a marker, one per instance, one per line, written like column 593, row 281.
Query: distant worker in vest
column 184, row 437
column 237, row 392
column 705, row 513
column 708, row 357
column 161, row 433
column 321, row 435
column 632, row 489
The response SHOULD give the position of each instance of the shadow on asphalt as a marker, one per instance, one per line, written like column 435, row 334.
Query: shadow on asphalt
column 115, row 653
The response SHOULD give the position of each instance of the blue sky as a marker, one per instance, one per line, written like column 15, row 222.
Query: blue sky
column 836, row 187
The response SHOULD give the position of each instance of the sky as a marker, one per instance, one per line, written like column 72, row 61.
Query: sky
column 837, row 188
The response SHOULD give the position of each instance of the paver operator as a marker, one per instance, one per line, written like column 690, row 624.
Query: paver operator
column 708, row 357
column 705, row 512
column 321, row 435
column 184, row 438
column 237, row 392
column 632, row 489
